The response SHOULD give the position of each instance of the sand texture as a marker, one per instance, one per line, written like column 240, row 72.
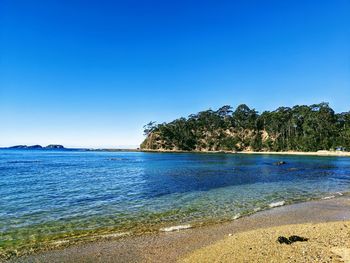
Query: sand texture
column 327, row 242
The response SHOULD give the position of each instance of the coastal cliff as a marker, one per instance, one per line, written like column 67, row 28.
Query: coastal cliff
column 300, row 128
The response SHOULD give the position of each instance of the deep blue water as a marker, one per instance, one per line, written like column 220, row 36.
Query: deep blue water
column 48, row 195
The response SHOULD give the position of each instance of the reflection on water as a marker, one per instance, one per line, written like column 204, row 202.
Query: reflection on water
column 50, row 195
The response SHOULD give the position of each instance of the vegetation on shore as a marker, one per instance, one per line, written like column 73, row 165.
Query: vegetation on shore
column 300, row 128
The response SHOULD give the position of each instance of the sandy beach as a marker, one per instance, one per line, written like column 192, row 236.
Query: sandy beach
column 328, row 241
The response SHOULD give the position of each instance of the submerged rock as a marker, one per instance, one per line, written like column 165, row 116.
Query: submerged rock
column 280, row 163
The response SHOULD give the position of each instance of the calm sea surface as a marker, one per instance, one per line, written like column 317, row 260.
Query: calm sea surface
column 53, row 197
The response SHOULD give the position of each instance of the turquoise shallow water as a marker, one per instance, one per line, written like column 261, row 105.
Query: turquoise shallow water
column 50, row 196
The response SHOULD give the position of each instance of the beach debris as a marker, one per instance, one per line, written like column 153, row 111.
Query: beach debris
column 283, row 240
column 230, row 235
column 280, row 163
column 275, row 204
column 175, row 228
column 291, row 239
column 295, row 238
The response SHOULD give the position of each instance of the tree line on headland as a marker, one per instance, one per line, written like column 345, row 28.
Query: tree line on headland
column 300, row 128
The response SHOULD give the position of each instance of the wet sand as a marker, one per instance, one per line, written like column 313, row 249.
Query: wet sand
column 175, row 246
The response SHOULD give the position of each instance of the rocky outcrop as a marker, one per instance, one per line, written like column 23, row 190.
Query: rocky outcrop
column 204, row 141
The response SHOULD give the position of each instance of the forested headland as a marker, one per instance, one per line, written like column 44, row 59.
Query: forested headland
column 300, row 128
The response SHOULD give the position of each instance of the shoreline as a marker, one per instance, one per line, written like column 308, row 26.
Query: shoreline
column 172, row 246
column 318, row 153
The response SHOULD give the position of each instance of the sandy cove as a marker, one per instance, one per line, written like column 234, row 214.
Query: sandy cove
column 185, row 245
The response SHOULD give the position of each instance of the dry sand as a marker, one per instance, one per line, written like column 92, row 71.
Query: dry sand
column 328, row 242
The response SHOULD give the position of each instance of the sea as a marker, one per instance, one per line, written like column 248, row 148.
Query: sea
column 53, row 198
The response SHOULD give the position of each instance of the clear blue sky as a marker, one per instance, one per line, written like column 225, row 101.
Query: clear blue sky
column 92, row 73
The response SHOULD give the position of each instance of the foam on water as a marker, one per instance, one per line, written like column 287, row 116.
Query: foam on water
column 276, row 204
column 236, row 216
column 115, row 235
column 328, row 197
column 174, row 228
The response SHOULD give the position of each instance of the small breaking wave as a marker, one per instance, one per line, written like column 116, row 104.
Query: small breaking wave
column 276, row 204
column 328, row 197
column 257, row 209
column 175, row 228
column 114, row 235
column 236, row 216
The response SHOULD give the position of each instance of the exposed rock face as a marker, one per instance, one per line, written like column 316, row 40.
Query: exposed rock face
column 218, row 140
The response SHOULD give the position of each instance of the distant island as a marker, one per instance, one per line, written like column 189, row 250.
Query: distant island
column 37, row 147
column 301, row 128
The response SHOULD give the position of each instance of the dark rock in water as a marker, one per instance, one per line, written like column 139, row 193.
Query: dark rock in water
column 280, row 163
column 291, row 239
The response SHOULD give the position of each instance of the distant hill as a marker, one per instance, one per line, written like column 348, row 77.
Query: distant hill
column 300, row 128
column 37, row 147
